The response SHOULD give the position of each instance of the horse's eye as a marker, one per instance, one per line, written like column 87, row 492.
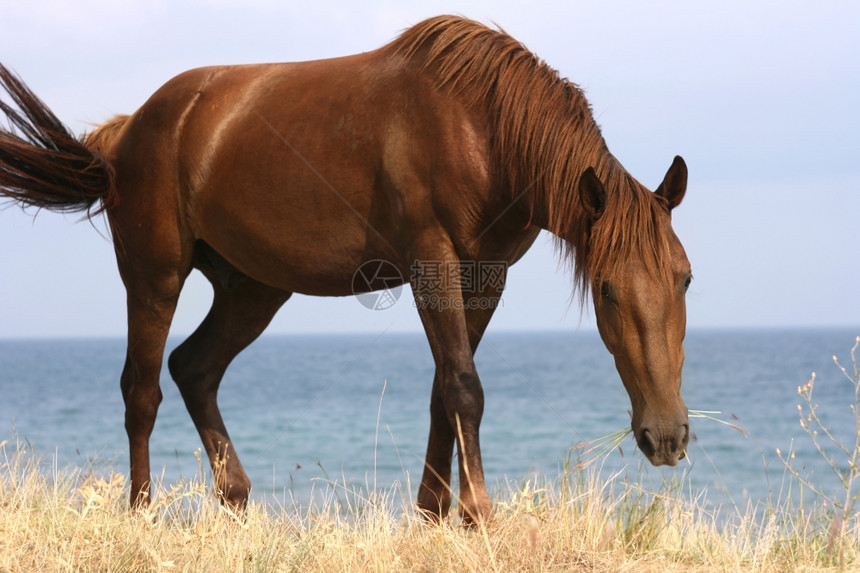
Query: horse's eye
column 687, row 282
column 605, row 289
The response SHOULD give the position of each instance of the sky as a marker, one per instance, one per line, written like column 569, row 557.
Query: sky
column 760, row 98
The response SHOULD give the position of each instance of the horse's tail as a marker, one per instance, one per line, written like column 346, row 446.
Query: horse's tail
column 42, row 164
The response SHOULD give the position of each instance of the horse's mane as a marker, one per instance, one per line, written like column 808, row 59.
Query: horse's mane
column 544, row 138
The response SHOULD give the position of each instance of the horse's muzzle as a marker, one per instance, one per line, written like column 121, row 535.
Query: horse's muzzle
column 664, row 446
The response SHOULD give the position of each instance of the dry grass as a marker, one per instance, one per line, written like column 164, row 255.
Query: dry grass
column 69, row 521
column 583, row 521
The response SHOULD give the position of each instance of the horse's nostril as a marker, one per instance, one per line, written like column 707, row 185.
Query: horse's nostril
column 648, row 444
column 682, row 436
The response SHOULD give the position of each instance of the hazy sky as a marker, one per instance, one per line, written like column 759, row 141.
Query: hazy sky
column 761, row 98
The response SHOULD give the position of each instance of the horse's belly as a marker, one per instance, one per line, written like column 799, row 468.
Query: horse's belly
column 286, row 242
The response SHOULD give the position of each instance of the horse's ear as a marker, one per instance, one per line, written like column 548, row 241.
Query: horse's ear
column 592, row 194
column 674, row 184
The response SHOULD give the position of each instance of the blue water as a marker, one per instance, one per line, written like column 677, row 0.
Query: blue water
column 300, row 408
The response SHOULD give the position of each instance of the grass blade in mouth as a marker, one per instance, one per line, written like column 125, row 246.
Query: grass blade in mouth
column 597, row 448
column 592, row 450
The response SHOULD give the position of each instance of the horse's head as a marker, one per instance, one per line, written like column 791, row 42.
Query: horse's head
column 641, row 311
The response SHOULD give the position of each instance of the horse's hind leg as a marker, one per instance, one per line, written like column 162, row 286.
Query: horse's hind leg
column 151, row 304
column 237, row 317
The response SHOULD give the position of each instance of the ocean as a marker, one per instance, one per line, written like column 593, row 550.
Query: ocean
column 305, row 410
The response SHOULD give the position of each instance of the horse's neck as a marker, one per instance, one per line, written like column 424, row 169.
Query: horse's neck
column 555, row 202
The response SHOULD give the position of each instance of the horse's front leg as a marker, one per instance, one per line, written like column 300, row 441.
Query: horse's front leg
column 457, row 404
column 463, row 397
column 434, row 495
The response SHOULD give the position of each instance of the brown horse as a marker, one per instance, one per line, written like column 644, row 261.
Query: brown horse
column 452, row 145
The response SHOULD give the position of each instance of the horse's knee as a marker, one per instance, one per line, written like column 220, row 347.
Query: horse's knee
column 141, row 409
column 140, row 392
column 464, row 397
